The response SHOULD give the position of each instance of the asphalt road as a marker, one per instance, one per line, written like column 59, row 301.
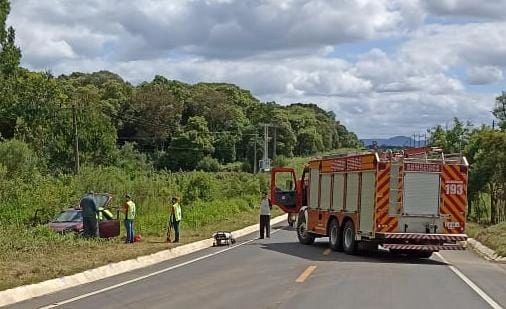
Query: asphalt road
column 281, row 273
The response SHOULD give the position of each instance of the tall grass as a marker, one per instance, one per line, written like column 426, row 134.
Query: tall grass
column 31, row 252
column 199, row 193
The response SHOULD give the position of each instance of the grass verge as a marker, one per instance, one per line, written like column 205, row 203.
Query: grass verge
column 493, row 236
column 39, row 254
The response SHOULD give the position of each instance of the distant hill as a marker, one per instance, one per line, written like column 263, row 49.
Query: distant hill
column 396, row 141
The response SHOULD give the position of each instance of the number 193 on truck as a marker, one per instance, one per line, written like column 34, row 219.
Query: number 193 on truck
column 413, row 202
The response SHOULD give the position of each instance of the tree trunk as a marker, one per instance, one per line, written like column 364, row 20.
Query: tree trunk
column 493, row 204
column 470, row 204
column 502, row 203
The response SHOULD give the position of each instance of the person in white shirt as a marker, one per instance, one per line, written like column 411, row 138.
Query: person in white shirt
column 265, row 216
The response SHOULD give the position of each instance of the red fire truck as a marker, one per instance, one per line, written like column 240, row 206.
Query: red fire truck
column 412, row 202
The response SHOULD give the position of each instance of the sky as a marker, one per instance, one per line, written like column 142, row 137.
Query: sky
column 385, row 67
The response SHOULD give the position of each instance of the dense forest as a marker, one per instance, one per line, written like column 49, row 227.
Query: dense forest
column 167, row 123
column 176, row 125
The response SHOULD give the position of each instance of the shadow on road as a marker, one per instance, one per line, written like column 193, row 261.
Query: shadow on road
column 315, row 253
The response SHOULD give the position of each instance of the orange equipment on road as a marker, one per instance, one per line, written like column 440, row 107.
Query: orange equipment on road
column 412, row 202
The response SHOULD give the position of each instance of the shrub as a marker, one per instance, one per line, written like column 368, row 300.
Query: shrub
column 17, row 158
column 280, row 161
column 129, row 158
column 200, row 187
column 246, row 167
column 209, row 164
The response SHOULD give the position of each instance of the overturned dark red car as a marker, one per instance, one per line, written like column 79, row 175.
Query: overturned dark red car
column 71, row 220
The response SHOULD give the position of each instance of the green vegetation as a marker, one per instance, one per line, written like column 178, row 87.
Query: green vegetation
column 173, row 124
column 37, row 254
column 153, row 140
column 473, row 228
column 485, row 148
column 493, row 236
column 30, row 254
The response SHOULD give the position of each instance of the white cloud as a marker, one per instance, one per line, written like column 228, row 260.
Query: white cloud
column 285, row 50
column 218, row 29
column 493, row 9
column 484, row 75
column 444, row 46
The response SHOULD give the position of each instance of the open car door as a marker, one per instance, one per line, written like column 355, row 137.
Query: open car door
column 108, row 228
column 285, row 189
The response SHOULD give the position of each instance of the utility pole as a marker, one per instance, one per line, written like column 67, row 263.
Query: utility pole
column 266, row 145
column 255, row 154
column 274, row 144
column 265, row 157
column 76, row 139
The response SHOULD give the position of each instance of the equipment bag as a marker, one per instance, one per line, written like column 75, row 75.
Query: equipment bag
column 223, row 238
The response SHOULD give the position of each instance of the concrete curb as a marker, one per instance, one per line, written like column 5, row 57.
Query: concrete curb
column 485, row 251
column 26, row 292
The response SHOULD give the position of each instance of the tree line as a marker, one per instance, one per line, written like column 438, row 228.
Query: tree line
column 166, row 123
column 485, row 148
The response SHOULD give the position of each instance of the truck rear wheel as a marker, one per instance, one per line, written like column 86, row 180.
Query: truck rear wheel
column 335, row 236
column 305, row 237
column 349, row 243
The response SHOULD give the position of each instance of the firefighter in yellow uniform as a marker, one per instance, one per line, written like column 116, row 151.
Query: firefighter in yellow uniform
column 129, row 211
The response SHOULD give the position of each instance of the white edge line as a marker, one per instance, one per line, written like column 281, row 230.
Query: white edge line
column 36, row 290
column 112, row 287
column 471, row 284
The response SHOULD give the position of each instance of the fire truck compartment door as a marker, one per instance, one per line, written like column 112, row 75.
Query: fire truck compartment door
column 325, row 191
column 367, row 202
column 421, row 194
column 352, row 192
column 314, row 188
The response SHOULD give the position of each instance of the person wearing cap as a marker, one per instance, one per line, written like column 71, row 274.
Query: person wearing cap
column 129, row 211
column 175, row 219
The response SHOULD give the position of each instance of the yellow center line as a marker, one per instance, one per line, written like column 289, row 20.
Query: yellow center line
column 327, row 251
column 305, row 274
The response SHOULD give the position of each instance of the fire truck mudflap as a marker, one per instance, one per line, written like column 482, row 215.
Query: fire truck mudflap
column 421, row 242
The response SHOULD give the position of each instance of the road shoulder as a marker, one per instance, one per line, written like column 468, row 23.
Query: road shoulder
column 487, row 275
column 27, row 292
column 485, row 251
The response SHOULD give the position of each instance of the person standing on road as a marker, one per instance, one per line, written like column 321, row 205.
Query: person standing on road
column 89, row 213
column 175, row 219
column 265, row 216
column 129, row 211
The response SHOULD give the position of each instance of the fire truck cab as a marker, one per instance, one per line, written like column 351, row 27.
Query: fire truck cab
column 412, row 202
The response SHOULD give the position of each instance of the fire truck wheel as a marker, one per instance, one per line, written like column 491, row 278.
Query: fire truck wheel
column 304, row 236
column 349, row 243
column 335, row 236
